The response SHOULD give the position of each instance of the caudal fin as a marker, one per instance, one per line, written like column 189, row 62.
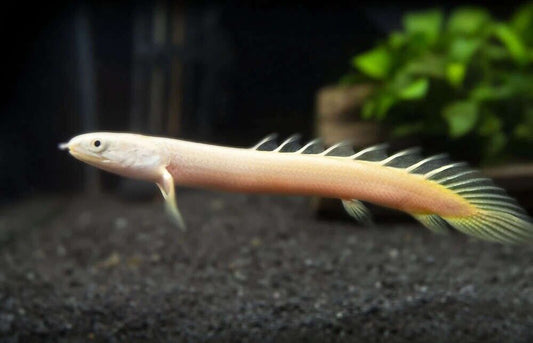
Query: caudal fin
column 497, row 216
column 495, row 226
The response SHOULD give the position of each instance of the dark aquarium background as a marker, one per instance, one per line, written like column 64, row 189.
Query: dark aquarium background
column 87, row 256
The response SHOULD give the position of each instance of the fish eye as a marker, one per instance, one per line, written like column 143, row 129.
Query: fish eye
column 97, row 145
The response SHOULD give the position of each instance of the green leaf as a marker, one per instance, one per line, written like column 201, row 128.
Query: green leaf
column 488, row 93
column 468, row 20
column 512, row 42
column 425, row 23
column 518, row 83
column 455, row 73
column 383, row 104
column 397, row 39
column 416, row 90
column 428, row 65
column 375, row 63
column 461, row 117
column 522, row 20
column 462, row 49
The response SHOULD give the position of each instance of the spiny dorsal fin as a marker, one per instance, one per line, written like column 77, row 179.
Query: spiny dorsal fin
column 342, row 149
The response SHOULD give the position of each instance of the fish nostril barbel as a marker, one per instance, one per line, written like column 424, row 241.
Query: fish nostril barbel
column 63, row 146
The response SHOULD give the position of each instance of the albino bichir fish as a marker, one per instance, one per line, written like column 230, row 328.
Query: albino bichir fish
column 433, row 190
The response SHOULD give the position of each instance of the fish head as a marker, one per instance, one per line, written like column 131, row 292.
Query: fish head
column 125, row 154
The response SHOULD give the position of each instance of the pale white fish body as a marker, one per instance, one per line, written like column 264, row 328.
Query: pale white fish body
column 434, row 191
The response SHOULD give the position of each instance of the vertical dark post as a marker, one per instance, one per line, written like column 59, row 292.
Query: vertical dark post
column 157, row 73
column 206, row 107
column 139, row 79
column 86, row 87
column 213, row 57
column 158, row 77
column 175, row 96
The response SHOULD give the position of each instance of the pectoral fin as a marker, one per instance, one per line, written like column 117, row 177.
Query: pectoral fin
column 166, row 185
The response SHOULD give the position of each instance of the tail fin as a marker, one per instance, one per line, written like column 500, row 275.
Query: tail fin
column 498, row 217
column 495, row 226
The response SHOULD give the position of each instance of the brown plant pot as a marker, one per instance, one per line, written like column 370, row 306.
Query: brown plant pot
column 338, row 118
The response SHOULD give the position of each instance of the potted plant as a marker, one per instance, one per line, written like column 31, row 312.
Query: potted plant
column 456, row 84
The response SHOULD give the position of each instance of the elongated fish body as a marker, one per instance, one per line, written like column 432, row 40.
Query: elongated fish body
column 308, row 174
column 435, row 191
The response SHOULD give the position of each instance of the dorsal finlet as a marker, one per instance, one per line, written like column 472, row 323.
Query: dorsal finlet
column 462, row 183
column 288, row 141
column 344, row 143
column 377, row 147
column 314, row 142
column 443, row 168
column 479, row 189
column 402, row 153
column 268, row 139
column 456, row 176
column 424, row 161
column 489, row 196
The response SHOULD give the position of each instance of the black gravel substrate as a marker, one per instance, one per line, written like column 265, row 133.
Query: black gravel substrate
column 249, row 269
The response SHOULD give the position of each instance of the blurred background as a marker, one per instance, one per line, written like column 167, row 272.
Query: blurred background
column 221, row 73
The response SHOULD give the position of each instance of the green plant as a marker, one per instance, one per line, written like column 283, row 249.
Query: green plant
column 465, row 76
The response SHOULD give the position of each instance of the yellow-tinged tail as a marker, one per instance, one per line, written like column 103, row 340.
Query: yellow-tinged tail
column 496, row 216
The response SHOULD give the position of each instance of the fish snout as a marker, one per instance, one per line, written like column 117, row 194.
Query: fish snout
column 70, row 147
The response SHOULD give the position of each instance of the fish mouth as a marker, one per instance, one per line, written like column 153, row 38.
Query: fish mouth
column 87, row 158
